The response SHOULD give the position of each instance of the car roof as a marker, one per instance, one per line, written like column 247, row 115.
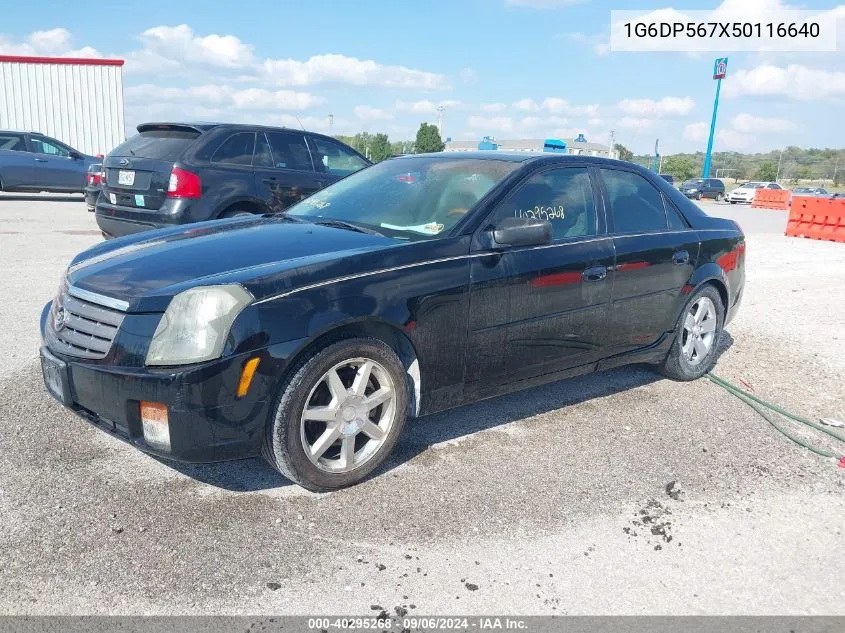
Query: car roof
column 546, row 158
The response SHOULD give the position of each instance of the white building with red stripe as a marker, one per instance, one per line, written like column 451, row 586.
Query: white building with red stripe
column 77, row 101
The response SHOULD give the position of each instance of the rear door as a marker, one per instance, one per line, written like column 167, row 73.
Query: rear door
column 284, row 173
column 55, row 169
column 17, row 168
column 137, row 172
column 656, row 252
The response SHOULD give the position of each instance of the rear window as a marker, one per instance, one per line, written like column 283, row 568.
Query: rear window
column 157, row 144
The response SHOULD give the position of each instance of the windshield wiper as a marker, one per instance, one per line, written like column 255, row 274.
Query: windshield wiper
column 341, row 224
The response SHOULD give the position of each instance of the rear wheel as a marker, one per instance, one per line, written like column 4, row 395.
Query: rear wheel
column 339, row 416
column 236, row 213
column 697, row 334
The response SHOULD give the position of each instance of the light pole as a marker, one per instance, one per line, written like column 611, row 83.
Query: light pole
column 720, row 70
column 780, row 158
column 440, row 109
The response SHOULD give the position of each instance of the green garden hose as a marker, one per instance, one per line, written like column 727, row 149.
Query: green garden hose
column 760, row 406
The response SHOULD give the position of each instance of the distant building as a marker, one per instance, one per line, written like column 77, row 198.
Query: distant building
column 577, row 146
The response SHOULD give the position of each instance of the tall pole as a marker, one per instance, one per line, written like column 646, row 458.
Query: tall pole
column 780, row 158
column 706, row 173
column 612, row 143
column 440, row 110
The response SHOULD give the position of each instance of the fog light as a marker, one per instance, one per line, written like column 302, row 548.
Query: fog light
column 155, row 424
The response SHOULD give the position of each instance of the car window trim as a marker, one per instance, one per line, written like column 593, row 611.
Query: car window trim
column 43, row 138
column 255, row 150
column 541, row 170
column 251, row 157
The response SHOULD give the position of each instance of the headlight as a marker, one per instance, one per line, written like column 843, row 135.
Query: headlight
column 195, row 325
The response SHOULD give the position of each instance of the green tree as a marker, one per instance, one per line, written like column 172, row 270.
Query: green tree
column 379, row 148
column 767, row 170
column 428, row 139
column 680, row 167
column 401, row 147
column 623, row 152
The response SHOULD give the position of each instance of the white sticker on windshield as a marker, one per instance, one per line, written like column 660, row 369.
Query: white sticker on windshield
column 316, row 202
column 432, row 228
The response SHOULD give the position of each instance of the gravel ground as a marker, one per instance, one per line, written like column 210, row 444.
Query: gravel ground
column 617, row 493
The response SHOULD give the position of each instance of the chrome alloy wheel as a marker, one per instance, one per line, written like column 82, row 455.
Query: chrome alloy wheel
column 699, row 331
column 348, row 415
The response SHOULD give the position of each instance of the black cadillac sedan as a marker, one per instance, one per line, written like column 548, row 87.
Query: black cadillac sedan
column 416, row 285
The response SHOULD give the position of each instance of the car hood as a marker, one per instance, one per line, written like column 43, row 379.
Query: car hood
column 145, row 270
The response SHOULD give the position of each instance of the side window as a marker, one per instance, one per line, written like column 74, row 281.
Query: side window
column 289, row 151
column 562, row 196
column 236, row 150
column 334, row 158
column 675, row 220
column 263, row 156
column 635, row 204
column 774, row 186
column 43, row 146
column 12, row 142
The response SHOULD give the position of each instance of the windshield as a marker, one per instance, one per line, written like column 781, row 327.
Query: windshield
column 167, row 144
column 690, row 183
column 409, row 198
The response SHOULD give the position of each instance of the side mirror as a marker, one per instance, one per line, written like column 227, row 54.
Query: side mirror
column 522, row 232
column 74, row 154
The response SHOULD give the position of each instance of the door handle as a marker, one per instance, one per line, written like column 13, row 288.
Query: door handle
column 596, row 273
column 40, row 160
column 680, row 258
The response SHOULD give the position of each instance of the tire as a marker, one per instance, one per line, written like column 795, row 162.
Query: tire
column 679, row 363
column 718, row 197
column 235, row 213
column 698, row 196
column 289, row 433
column 733, row 201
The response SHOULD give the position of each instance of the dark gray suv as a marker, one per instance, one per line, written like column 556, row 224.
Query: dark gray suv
column 699, row 188
column 178, row 173
column 31, row 162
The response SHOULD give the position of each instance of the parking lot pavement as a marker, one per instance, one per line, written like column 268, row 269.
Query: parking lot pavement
column 615, row 493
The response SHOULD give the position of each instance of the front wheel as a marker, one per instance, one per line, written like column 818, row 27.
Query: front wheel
column 698, row 196
column 718, row 197
column 339, row 416
column 733, row 201
column 697, row 334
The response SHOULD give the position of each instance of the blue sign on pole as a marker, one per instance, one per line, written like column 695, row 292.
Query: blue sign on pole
column 720, row 71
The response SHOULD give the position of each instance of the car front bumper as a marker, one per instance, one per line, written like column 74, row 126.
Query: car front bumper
column 742, row 199
column 207, row 421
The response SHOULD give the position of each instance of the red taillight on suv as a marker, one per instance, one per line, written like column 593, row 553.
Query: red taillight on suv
column 95, row 178
column 184, row 184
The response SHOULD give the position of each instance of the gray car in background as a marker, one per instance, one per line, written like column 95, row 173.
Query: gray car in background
column 32, row 162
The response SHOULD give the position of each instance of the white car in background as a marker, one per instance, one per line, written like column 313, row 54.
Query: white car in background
column 746, row 192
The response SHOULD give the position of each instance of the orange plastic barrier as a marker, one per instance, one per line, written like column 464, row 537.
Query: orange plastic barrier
column 771, row 199
column 817, row 218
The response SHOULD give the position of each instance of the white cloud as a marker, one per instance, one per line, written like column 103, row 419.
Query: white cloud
column 636, row 123
column 180, row 43
column 526, row 105
column 426, row 106
column 665, row 107
column 369, row 113
column 600, row 44
column 350, row 70
column 493, row 107
column 595, row 122
column 556, row 105
column 53, row 43
column 794, row 82
column 696, row 132
column 754, row 124
column 224, row 96
column 531, row 126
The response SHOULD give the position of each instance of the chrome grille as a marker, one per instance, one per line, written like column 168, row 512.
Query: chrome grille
column 86, row 329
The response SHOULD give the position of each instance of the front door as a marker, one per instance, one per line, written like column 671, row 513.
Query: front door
column 284, row 174
column 538, row 310
column 655, row 257
column 54, row 167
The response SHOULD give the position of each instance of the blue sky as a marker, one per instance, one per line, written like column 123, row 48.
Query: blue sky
column 507, row 68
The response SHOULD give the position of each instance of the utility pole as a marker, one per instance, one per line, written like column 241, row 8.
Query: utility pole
column 835, row 169
column 612, row 144
column 720, row 70
column 331, row 121
column 777, row 177
column 440, row 110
